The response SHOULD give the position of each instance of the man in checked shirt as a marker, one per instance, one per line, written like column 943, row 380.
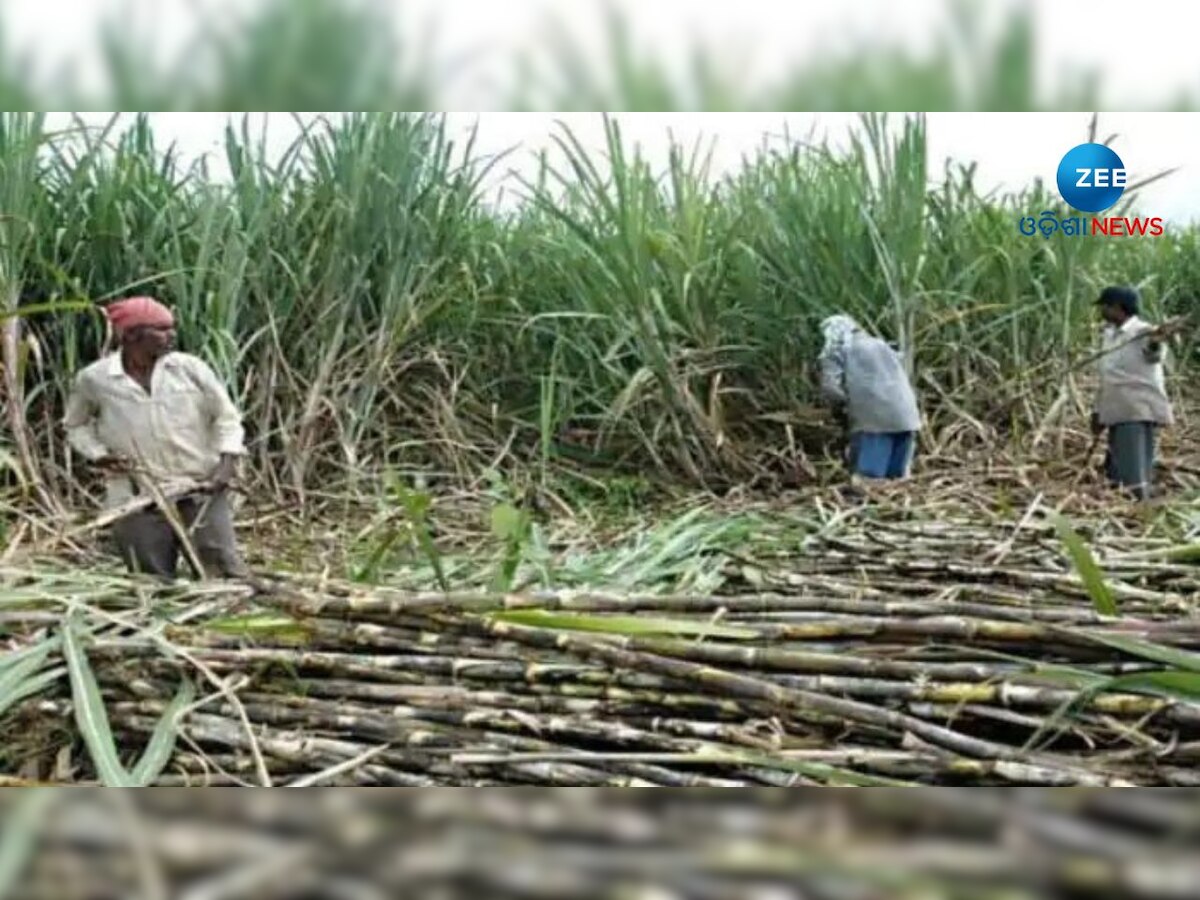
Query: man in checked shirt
column 147, row 414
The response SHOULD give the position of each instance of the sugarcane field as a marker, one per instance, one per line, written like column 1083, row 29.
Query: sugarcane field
column 832, row 468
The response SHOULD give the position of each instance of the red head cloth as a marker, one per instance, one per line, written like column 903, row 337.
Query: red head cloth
column 135, row 311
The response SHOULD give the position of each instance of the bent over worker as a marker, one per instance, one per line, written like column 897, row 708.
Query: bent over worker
column 145, row 414
column 863, row 377
column 1132, row 402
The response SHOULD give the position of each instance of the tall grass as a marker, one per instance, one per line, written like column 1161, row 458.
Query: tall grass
column 371, row 312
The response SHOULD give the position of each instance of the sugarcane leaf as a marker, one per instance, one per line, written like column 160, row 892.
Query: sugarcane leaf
column 624, row 625
column 506, row 521
column 1085, row 565
column 368, row 572
column 1086, row 683
column 20, row 835
column 1061, row 713
column 162, row 742
column 511, row 525
column 425, row 542
column 1172, row 684
column 1062, row 675
column 90, row 715
column 507, row 572
column 1183, row 553
column 33, row 309
column 416, row 503
column 31, row 686
column 417, row 506
column 1180, row 659
column 261, row 625
column 16, row 669
column 40, row 649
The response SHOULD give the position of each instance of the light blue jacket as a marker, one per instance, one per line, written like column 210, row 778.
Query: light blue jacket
column 868, row 376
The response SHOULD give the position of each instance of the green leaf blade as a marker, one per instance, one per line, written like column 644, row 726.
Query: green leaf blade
column 1087, row 568
column 90, row 715
column 162, row 742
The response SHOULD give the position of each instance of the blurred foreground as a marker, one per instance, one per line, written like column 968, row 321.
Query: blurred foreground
column 765, row 844
column 467, row 54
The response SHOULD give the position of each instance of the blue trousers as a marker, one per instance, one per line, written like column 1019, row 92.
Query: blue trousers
column 881, row 455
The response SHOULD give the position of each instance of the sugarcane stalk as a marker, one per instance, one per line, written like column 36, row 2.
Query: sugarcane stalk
column 742, row 685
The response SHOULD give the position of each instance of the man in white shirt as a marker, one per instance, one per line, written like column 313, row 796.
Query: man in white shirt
column 146, row 415
column 1132, row 402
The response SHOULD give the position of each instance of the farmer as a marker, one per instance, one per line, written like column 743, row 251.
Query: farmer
column 146, row 415
column 1132, row 401
column 863, row 379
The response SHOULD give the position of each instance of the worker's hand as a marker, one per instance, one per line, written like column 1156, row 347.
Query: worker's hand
column 114, row 465
column 1168, row 328
column 1097, row 427
column 223, row 475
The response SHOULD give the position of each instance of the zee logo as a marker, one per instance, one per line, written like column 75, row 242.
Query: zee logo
column 1100, row 178
column 1091, row 177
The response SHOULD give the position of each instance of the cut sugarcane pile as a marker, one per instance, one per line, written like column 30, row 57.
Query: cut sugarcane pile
column 887, row 641
column 882, row 650
column 539, row 843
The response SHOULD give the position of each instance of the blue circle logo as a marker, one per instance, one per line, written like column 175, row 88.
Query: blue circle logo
column 1091, row 177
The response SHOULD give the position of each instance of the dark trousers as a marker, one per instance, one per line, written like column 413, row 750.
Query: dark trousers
column 1130, row 460
column 148, row 543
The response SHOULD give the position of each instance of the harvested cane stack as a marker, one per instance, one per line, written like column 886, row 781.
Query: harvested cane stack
column 886, row 642
column 883, row 650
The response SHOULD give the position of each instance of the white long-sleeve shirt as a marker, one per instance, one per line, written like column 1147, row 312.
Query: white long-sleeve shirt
column 1132, row 381
column 176, row 433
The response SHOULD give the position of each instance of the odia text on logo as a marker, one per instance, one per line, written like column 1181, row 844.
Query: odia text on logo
column 1091, row 179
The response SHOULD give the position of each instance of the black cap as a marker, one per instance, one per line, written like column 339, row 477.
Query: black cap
column 1118, row 295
